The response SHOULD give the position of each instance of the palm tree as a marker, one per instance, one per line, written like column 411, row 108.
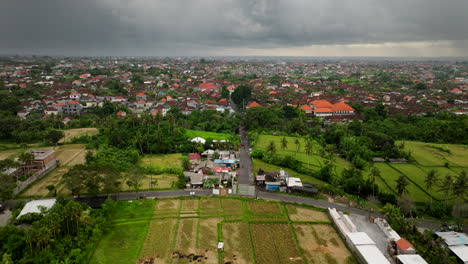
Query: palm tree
column 460, row 186
column 431, row 180
column 284, row 143
column 401, row 184
column 460, row 191
column 298, row 145
column 308, row 149
column 27, row 158
column 375, row 172
column 446, row 187
column 271, row 148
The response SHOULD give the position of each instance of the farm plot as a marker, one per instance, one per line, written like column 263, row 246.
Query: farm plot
column 134, row 211
column 418, row 175
column 52, row 178
column 152, row 182
column 69, row 134
column 297, row 213
column 210, row 206
column 156, row 248
column 237, row 243
column 208, row 239
column 162, row 160
column 121, row 245
column 274, row 243
column 390, row 175
column 260, row 210
column 319, row 248
column 70, row 155
column 167, row 208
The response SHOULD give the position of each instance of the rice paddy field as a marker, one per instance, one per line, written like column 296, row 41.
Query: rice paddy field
column 188, row 230
column 442, row 158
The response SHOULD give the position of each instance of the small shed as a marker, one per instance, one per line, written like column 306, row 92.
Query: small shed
column 405, row 247
column 221, row 246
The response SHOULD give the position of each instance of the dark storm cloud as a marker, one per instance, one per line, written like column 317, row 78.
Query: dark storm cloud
column 186, row 27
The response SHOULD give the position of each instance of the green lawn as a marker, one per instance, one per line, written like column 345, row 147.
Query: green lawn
column 205, row 134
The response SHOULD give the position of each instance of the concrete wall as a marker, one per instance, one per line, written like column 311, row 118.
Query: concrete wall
column 36, row 176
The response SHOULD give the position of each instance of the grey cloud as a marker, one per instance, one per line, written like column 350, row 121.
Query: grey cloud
column 189, row 27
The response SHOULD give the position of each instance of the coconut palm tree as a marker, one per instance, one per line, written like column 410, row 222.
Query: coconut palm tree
column 271, row 148
column 446, row 187
column 308, row 148
column 430, row 181
column 298, row 145
column 401, row 184
column 374, row 172
column 284, row 143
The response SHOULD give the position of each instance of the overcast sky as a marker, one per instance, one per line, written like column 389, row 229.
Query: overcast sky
column 235, row 27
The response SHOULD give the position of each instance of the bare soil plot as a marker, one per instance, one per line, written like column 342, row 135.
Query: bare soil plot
column 53, row 178
column 321, row 244
column 237, row 243
column 154, row 246
column 78, row 132
column 298, row 213
column 186, row 243
column 274, row 243
column 70, row 155
column 5, row 154
column 162, row 181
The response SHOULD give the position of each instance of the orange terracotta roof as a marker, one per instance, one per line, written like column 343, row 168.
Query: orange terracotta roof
column 253, row 104
column 140, row 94
column 72, row 103
column 340, row 106
column 306, row 107
column 209, row 86
column 404, row 244
column 321, row 104
column 141, row 102
column 323, row 110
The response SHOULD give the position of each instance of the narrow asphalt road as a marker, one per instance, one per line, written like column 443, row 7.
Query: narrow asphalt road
column 244, row 173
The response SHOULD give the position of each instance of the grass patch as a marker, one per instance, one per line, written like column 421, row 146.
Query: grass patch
column 121, row 245
column 205, row 134
column 162, row 160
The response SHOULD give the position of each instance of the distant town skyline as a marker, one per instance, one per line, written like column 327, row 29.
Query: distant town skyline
column 368, row 28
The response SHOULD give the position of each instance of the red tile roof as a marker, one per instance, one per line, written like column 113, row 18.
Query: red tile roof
column 140, row 94
column 208, row 86
column 306, row 108
column 72, row 103
column 253, row 104
column 323, row 110
column 321, row 104
column 340, row 106
column 403, row 244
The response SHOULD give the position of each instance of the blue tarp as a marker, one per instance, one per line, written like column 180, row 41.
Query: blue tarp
column 226, row 161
